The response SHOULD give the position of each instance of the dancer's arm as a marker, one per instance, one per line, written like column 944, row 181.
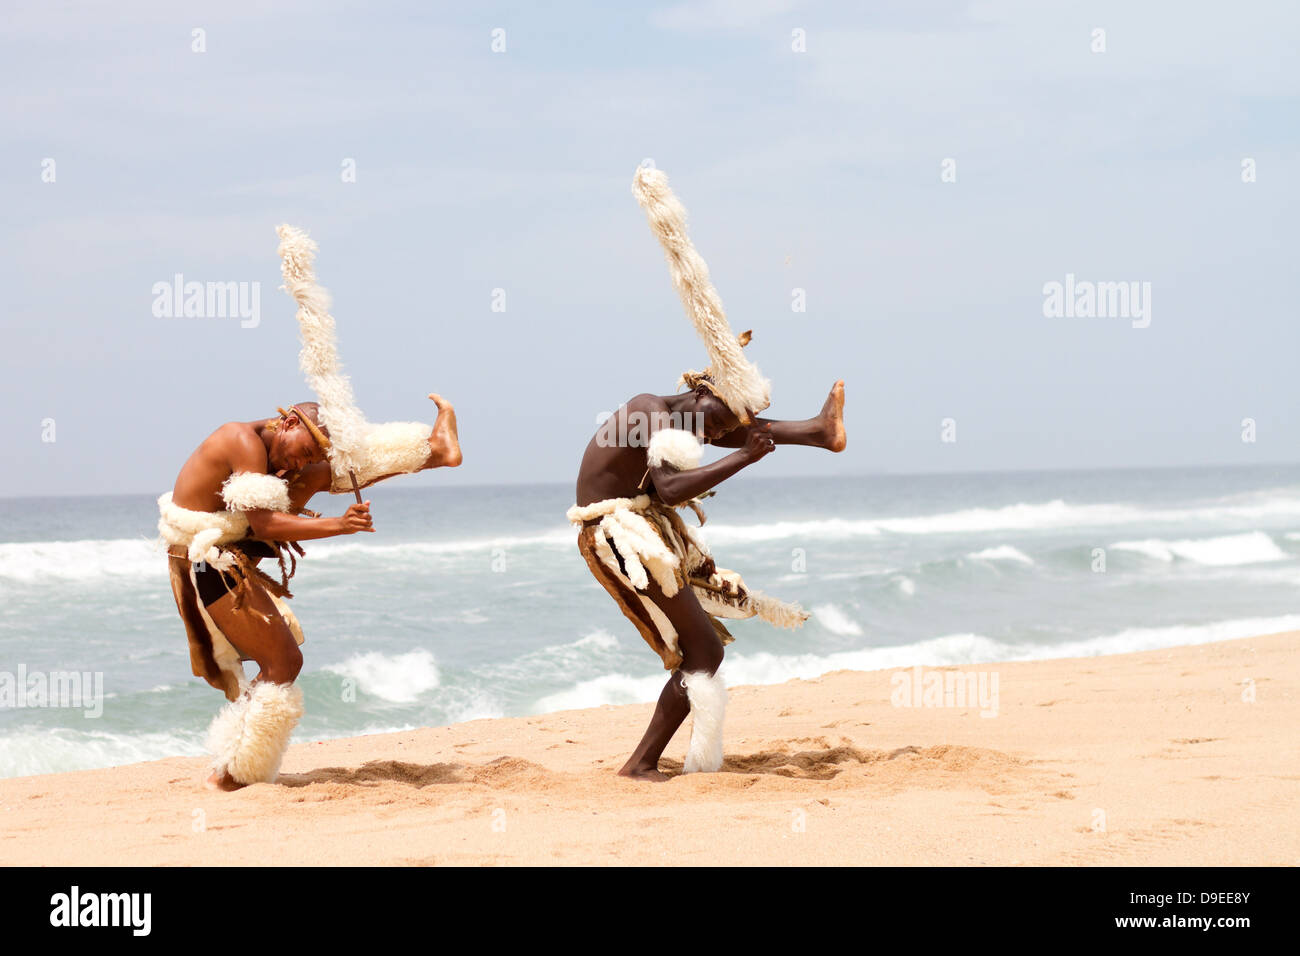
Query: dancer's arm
column 676, row 487
column 278, row 526
column 250, row 457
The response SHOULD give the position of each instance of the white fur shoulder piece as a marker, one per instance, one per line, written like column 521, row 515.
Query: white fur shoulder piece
column 676, row 447
column 249, row 491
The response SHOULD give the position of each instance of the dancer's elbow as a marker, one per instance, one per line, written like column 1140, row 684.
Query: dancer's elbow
column 262, row 523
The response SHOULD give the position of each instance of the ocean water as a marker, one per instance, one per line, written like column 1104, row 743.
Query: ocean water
column 473, row 602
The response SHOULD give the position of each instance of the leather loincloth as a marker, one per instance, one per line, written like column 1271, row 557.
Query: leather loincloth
column 628, row 541
column 213, row 656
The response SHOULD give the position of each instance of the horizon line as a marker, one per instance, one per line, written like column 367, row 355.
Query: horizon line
column 787, row 477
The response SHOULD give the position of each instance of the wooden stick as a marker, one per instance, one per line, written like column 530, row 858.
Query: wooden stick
column 355, row 490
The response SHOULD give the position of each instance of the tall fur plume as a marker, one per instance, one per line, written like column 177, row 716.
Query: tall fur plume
column 736, row 380
column 319, row 358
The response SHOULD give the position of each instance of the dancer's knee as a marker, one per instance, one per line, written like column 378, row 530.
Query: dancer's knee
column 284, row 667
column 707, row 658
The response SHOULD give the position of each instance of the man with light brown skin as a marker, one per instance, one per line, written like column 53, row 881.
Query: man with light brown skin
column 242, row 497
column 651, row 473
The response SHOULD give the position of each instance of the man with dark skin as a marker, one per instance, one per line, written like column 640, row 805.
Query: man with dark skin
column 612, row 470
column 284, row 448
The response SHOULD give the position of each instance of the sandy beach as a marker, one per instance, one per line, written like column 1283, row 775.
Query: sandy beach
column 1159, row 757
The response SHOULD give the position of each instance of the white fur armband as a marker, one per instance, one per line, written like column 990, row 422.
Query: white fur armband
column 249, row 491
column 393, row 448
column 676, row 447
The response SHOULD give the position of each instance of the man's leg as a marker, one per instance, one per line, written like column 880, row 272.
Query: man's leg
column 444, row 443
column 826, row 430
column 250, row 734
column 259, row 632
column 701, row 651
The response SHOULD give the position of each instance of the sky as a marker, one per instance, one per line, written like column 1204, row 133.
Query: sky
column 916, row 173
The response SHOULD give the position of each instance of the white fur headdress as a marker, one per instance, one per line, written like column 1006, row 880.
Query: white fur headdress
column 320, row 358
column 731, row 376
column 358, row 447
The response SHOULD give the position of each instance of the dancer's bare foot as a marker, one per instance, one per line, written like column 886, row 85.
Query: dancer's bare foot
column 642, row 773
column 223, row 781
column 444, row 442
column 832, row 416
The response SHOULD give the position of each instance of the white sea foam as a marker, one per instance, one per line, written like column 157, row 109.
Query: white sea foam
column 397, row 678
column 31, row 751
column 1018, row 517
column 35, row 751
column 1003, row 552
column 906, row 585
column 1052, row 514
column 85, row 560
column 1253, row 547
column 608, row 689
column 948, row 650
column 1154, row 638
column 547, row 539
column 477, row 708
column 835, row 620
column 365, row 731
column 556, row 660
column 27, row 561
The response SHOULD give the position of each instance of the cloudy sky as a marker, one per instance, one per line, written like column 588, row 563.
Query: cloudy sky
column 809, row 141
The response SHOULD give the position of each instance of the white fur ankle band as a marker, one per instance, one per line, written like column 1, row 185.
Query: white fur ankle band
column 707, row 694
column 249, row 736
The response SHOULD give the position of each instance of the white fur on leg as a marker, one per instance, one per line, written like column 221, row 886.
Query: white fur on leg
column 708, row 697
column 249, row 736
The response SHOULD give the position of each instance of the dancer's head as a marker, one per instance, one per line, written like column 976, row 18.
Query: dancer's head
column 298, row 439
column 712, row 415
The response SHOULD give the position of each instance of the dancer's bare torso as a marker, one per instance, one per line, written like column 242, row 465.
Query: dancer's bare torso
column 616, row 471
column 243, row 447
column 619, row 468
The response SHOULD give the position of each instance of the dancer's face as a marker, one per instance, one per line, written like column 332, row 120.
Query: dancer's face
column 293, row 448
column 717, row 417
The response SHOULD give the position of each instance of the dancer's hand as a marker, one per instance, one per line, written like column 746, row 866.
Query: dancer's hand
column 357, row 518
column 759, row 443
